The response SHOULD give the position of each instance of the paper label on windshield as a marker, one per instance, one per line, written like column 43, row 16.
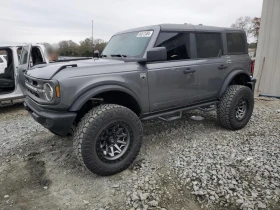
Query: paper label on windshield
column 145, row 34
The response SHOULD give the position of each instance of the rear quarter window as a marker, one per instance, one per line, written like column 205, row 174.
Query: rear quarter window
column 236, row 43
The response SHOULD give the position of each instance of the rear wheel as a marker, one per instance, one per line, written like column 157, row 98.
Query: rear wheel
column 108, row 139
column 236, row 107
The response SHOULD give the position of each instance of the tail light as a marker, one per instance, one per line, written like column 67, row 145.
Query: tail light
column 252, row 67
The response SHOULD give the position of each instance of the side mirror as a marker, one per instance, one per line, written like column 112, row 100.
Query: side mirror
column 96, row 54
column 157, row 54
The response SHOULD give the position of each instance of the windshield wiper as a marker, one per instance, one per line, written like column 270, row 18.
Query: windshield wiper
column 119, row 55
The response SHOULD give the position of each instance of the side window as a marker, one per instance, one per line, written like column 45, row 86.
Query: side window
column 236, row 42
column 19, row 53
column 209, row 45
column 36, row 55
column 24, row 56
column 176, row 44
column 1, row 61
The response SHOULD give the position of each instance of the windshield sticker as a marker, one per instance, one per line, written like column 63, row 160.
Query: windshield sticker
column 145, row 34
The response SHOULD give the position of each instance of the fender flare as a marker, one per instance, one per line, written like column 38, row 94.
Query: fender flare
column 229, row 79
column 81, row 100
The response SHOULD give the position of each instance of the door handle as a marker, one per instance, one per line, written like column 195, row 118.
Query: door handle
column 222, row 66
column 189, row 71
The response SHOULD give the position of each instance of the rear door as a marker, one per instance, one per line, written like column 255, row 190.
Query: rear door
column 212, row 64
column 24, row 65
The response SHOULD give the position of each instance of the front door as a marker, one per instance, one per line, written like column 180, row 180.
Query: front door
column 24, row 66
column 173, row 83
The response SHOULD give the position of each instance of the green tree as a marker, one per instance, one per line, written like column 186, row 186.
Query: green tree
column 84, row 49
column 244, row 23
column 252, row 45
column 86, row 46
column 68, row 48
column 256, row 23
column 99, row 44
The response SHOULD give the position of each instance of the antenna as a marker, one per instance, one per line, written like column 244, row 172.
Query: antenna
column 92, row 35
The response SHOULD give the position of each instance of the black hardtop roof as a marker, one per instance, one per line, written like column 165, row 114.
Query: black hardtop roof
column 194, row 27
column 183, row 27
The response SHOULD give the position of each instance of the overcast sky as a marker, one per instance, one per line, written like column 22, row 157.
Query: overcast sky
column 55, row 20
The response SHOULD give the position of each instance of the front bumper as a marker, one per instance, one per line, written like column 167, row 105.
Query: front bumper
column 56, row 121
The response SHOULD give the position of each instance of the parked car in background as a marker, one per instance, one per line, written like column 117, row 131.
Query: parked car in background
column 3, row 63
column 143, row 73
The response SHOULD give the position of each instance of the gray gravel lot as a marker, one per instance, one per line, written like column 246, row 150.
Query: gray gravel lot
column 184, row 164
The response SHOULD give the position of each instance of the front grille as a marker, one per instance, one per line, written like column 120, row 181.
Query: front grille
column 35, row 83
column 34, row 87
column 31, row 81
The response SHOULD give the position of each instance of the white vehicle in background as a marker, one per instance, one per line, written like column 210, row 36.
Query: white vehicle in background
column 3, row 63
column 11, row 75
column 18, row 59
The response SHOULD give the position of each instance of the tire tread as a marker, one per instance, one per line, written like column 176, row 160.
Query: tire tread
column 95, row 117
column 224, row 107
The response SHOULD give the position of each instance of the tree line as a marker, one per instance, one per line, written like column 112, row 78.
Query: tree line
column 83, row 49
column 251, row 26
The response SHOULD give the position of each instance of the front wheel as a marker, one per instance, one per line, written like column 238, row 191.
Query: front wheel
column 108, row 139
column 236, row 107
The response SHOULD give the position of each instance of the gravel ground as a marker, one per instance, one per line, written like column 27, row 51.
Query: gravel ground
column 184, row 164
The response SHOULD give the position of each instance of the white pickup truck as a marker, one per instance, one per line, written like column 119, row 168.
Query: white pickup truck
column 10, row 75
column 12, row 81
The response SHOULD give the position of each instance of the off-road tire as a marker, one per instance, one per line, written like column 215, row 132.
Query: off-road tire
column 227, row 105
column 87, row 133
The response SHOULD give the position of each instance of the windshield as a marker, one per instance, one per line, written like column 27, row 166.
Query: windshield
column 130, row 44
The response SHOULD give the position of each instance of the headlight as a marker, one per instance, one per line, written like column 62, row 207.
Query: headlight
column 48, row 91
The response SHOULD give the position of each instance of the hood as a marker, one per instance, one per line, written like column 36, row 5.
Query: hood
column 48, row 71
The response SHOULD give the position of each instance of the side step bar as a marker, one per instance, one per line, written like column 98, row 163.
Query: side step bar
column 180, row 110
column 172, row 118
column 208, row 108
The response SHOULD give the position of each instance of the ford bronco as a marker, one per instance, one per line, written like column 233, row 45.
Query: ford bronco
column 143, row 73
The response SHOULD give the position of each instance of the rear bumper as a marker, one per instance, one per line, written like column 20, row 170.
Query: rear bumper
column 253, row 83
column 57, row 122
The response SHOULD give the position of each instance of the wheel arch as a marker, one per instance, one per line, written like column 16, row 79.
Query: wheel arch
column 97, row 91
column 237, row 77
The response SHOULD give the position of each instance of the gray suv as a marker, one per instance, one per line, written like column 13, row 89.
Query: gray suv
column 143, row 73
